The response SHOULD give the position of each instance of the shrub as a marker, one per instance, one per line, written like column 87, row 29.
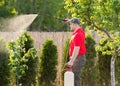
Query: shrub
column 103, row 63
column 65, row 58
column 109, row 48
column 89, row 72
column 4, row 68
column 23, row 60
column 48, row 62
column 117, row 71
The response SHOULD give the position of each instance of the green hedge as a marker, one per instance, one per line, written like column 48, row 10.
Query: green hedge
column 104, row 63
column 65, row 58
column 4, row 68
column 48, row 63
column 88, row 78
column 89, row 73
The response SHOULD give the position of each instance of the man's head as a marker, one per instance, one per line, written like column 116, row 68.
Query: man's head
column 74, row 20
column 74, row 23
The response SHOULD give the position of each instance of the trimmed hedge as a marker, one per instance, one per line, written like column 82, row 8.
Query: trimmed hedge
column 48, row 63
column 88, row 78
column 4, row 68
column 65, row 58
column 89, row 73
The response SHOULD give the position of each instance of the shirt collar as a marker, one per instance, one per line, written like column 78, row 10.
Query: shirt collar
column 76, row 31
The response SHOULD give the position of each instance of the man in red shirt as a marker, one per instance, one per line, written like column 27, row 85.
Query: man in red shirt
column 77, row 49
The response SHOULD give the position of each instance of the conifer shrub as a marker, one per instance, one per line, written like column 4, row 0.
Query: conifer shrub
column 104, row 62
column 65, row 58
column 23, row 60
column 48, row 63
column 88, row 78
column 4, row 67
column 89, row 72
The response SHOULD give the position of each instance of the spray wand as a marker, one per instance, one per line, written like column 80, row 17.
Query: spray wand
column 63, row 19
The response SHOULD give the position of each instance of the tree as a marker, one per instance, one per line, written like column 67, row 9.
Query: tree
column 23, row 60
column 26, row 6
column 49, row 12
column 99, row 15
column 7, row 8
column 48, row 62
column 106, row 48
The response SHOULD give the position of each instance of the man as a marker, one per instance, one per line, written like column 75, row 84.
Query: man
column 77, row 49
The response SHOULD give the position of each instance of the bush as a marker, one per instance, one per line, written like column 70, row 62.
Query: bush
column 104, row 63
column 65, row 58
column 89, row 73
column 48, row 62
column 117, row 71
column 23, row 60
column 4, row 68
column 106, row 49
column 88, row 78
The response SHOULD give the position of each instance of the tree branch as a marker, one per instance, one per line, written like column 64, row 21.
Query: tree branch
column 101, row 29
column 106, row 32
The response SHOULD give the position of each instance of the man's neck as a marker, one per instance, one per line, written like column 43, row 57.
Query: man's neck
column 77, row 27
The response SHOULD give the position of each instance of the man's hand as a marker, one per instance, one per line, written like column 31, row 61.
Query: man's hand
column 70, row 64
column 67, row 20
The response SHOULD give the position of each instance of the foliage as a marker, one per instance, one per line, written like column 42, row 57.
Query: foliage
column 7, row 8
column 102, row 15
column 65, row 57
column 22, row 53
column 104, row 63
column 105, row 51
column 117, row 71
column 89, row 74
column 4, row 68
column 32, row 71
column 49, row 12
column 87, row 78
column 48, row 62
column 110, row 45
column 48, row 15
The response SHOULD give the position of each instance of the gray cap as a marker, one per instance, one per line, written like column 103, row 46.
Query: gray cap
column 74, row 20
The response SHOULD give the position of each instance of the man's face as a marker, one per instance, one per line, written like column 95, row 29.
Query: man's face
column 72, row 26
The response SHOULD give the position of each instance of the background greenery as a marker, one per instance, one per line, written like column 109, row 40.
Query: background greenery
column 4, row 67
column 49, row 12
column 101, row 15
column 48, row 64
column 23, row 60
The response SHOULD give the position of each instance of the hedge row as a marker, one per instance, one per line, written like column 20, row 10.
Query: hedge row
column 20, row 61
column 22, row 66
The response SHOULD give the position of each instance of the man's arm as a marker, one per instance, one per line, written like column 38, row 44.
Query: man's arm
column 74, row 55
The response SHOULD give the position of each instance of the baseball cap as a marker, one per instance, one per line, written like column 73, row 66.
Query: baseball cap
column 74, row 20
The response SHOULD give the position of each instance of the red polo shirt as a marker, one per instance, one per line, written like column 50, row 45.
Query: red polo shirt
column 78, row 39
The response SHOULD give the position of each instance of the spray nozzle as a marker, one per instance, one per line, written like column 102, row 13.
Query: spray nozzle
column 69, row 69
column 62, row 19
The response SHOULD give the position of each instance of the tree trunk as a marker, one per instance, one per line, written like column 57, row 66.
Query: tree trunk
column 34, row 6
column 113, row 71
column 18, row 6
column 43, row 14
